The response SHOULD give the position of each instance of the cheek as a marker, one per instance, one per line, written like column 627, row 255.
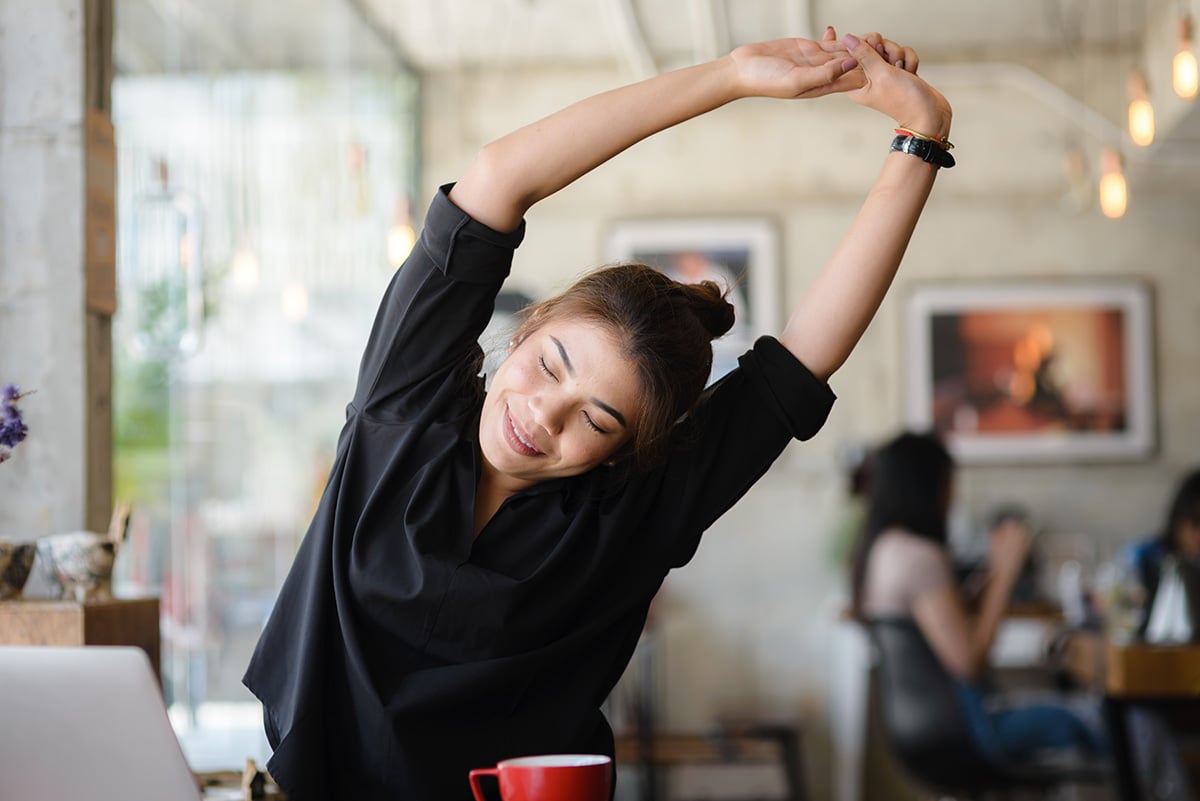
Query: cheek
column 511, row 376
column 585, row 448
column 1189, row 540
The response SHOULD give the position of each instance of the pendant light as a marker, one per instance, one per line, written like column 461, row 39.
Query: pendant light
column 1183, row 66
column 1113, row 192
column 1141, row 113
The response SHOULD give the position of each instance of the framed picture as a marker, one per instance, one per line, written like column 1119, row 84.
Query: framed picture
column 1020, row 372
column 741, row 254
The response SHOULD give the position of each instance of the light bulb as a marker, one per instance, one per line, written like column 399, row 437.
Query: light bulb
column 1141, row 122
column 1113, row 193
column 1184, row 74
column 295, row 302
column 245, row 269
column 185, row 251
column 401, row 239
column 1183, row 66
column 1141, row 113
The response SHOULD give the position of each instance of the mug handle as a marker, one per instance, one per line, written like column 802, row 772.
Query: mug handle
column 474, row 776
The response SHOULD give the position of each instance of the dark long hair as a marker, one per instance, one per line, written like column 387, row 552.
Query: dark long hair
column 666, row 328
column 1185, row 508
column 909, row 489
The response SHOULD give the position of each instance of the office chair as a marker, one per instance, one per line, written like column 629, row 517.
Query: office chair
column 929, row 734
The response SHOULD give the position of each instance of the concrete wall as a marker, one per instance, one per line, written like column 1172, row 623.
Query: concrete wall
column 748, row 624
column 55, row 65
column 42, row 322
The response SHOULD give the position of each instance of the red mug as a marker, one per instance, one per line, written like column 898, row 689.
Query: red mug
column 555, row 777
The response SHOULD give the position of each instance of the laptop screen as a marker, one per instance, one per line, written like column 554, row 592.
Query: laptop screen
column 86, row 723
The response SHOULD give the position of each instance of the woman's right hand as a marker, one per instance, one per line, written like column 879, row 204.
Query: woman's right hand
column 891, row 86
column 1008, row 547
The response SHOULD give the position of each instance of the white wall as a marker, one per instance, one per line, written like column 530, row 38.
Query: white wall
column 748, row 623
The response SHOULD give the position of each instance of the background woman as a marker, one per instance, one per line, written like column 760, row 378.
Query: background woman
column 480, row 566
column 903, row 569
column 1179, row 536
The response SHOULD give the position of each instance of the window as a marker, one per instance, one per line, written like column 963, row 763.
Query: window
column 256, row 212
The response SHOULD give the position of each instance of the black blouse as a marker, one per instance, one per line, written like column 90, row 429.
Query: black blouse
column 402, row 651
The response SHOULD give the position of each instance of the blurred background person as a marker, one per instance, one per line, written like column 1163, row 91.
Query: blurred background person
column 1179, row 537
column 903, row 569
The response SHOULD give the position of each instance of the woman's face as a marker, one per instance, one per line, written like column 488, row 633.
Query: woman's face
column 1187, row 539
column 564, row 401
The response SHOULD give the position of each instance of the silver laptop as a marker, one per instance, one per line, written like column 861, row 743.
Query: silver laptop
column 86, row 723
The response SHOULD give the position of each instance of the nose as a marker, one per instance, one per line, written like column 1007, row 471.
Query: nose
column 549, row 411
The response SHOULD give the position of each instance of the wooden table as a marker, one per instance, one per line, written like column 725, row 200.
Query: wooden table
column 735, row 743
column 1133, row 673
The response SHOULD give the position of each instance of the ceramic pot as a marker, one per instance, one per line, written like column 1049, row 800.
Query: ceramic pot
column 81, row 562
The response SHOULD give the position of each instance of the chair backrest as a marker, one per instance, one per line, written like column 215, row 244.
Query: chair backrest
column 923, row 718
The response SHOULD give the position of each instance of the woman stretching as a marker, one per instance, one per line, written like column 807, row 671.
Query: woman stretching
column 480, row 566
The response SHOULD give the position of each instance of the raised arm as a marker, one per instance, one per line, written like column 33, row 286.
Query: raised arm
column 962, row 640
column 512, row 173
column 835, row 310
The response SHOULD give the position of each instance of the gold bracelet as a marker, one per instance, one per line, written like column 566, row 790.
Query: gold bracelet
column 942, row 141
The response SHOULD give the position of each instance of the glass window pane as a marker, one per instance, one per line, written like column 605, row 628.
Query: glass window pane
column 255, row 215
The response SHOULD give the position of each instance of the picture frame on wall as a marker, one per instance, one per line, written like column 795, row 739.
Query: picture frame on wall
column 741, row 254
column 1033, row 371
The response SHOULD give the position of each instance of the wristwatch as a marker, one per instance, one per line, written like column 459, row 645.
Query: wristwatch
column 925, row 149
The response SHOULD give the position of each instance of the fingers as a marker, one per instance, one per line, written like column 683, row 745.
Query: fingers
column 893, row 53
column 836, row 78
column 863, row 50
column 830, row 34
column 846, row 81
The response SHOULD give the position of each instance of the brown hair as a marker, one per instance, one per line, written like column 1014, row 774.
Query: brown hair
column 667, row 329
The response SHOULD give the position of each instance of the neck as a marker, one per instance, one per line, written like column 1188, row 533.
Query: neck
column 493, row 489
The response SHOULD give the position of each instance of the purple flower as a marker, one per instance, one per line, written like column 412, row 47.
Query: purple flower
column 12, row 428
column 13, row 432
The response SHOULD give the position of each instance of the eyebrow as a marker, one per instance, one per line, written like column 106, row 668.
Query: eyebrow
column 566, row 360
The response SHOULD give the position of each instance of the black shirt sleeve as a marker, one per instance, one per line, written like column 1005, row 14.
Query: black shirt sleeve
column 433, row 312
column 741, row 425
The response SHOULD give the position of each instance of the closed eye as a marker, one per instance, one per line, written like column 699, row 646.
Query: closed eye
column 546, row 369
column 588, row 419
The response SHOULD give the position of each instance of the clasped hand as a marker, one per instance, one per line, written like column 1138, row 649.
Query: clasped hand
column 872, row 71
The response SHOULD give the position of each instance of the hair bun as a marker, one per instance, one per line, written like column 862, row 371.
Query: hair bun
column 708, row 302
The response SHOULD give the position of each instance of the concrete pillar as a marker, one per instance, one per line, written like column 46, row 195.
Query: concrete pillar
column 56, row 227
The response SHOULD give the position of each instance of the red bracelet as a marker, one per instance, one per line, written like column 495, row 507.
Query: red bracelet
column 942, row 141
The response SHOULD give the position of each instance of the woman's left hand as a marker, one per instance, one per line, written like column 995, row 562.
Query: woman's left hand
column 890, row 85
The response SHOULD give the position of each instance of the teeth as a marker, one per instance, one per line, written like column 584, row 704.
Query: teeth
column 517, row 434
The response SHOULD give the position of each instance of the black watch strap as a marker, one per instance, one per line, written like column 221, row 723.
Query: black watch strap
column 924, row 149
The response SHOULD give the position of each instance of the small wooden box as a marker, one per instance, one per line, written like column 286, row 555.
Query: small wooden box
column 117, row 621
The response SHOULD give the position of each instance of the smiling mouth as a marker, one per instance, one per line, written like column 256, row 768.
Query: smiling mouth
column 516, row 440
